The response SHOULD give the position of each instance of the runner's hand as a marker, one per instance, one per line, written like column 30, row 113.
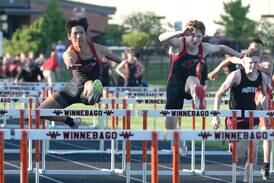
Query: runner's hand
column 216, row 123
column 188, row 31
column 74, row 66
column 212, row 75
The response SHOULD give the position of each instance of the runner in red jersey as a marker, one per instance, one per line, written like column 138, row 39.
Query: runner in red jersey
column 83, row 59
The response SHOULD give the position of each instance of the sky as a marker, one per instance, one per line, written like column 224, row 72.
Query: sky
column 183, row 10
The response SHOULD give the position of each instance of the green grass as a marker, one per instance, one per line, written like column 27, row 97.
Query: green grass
column 159, row 123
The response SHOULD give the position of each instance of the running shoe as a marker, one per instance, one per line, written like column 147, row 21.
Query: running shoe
column 199, row 97
column 96, row 93
column 265, row 174
column 77, row 122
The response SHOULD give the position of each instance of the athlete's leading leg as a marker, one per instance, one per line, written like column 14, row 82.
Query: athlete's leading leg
column 92, row 92
column 52, row 103
column 196, row 90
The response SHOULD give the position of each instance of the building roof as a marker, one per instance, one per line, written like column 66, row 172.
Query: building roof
column 20, row 11
column 105, row 10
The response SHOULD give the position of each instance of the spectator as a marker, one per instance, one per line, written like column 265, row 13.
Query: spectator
column 50, row 68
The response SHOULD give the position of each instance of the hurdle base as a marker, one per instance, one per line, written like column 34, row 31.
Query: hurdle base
column 169, row 152
column 70, row 151
column 184, row 172
column 76, row 172
column 224, row 173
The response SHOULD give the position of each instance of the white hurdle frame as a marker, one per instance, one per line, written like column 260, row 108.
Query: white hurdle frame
column 140, row 135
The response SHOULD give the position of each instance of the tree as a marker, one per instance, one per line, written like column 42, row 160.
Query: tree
column 54, row 23
column 137, row 40
column 146, row 22
column 236, row 23
column 40, row 35
column 266, row 33
column 27, row 39
column 113, row 34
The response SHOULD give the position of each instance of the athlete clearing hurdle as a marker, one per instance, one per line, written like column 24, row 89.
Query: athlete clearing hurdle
column 187, row 52
column 265, row 65
column 243, row 84
column 83, row 59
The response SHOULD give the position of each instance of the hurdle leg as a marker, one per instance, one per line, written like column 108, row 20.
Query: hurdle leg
column 203, row 157
column 45, row 148
column 128, row 161
column 154, row 158
column 30, row 156
column 37, row 148
column 176, row 159
column 193, row 145
column 234, row 173
column 127, row 125
column 251, row 149
column 234, row 151
column 123, row 156
column 203, row 148
column 112, row 156
column 144, row 172
column 124, row 126
column 124, row 147
column 37, row 165
column 2, row 158
column 193, row 151
column 271, row 168
column 250, row 164
column 101, row 126
column 24, row 157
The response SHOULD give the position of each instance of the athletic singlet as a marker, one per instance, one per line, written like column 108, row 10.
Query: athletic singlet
column 132, row 69
column 184, row 64
column 242, row 96
column 105, row 73
column 90, row 70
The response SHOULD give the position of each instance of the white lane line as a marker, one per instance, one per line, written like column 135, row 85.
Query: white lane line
column 51, row 179
column 88, row 166
column 72, row 145
column 41, row 175
column 82, row 164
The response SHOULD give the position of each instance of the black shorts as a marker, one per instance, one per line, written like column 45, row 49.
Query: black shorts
column 71, row 94
column 175, row 96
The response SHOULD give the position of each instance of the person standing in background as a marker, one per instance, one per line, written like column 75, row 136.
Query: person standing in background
column 133, row 69
column 50, row 68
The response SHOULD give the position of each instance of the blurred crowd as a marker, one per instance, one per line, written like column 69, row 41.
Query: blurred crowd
column 35, row 68
column 29, row 68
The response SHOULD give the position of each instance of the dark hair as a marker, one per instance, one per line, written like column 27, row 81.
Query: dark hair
column 197, row 24
column 257, row 40
column 77, row 22
column 252, row 53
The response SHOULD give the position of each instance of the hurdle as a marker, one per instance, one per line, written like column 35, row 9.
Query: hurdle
column 140, row 89
column 26, row 103
column 165, row 151
column 138, row 135
column 57, row 86
column 5, row 134
column 189, row 113
column 85, row 112
column 267, row 114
